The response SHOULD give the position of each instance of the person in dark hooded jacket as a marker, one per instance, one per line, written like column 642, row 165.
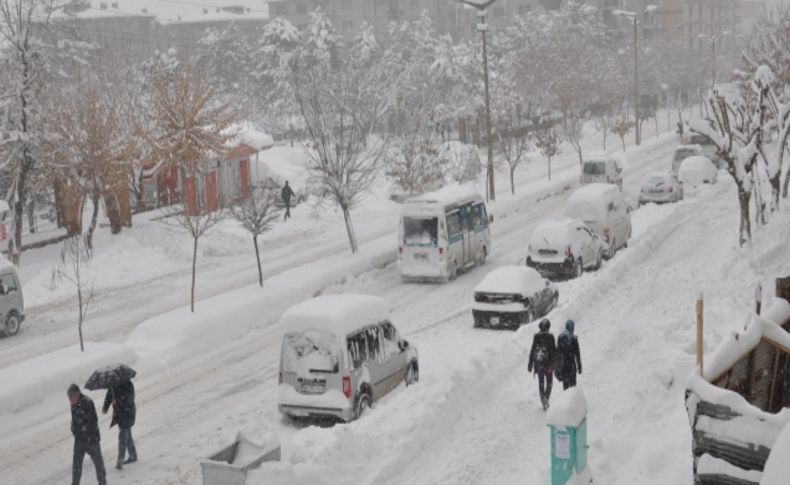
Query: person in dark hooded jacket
column 87, row 439
column 541, row 359
column 569, row 359
column 124, row 411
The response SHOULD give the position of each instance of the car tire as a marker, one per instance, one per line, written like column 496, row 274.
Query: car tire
column 579, row 268
column 412, row 374
column 453, row 273
column 481, row 258
column 613, row 248
column 12, row 325
column 599, row 260
column 363, row 404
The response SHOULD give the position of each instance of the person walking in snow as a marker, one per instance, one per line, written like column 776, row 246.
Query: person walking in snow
column 569, row 360
column 287, row 195
column 124, row 411
column 87, row 439
column 541, row 359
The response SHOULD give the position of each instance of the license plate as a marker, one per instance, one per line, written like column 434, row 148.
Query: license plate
column 312, row 388
column 659, row 191
column 421, row 257
column 494, row 321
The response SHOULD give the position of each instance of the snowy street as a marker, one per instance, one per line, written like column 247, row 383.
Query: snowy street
column 475, row 400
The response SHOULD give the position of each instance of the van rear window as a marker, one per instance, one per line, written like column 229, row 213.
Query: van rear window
column 311, row 351
column 594, row 168
column 420, row 232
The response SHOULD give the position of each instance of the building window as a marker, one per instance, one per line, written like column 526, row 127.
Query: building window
column 301, row 8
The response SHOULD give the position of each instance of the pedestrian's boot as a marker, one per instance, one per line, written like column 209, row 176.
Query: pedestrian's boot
column 119, row 464
column 545, row 402
column 131, row 459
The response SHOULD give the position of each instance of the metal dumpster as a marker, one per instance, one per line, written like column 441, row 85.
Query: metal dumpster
column 229, row 466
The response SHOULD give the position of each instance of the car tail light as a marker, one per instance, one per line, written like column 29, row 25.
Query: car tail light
column 606, row 234
column 568, row 252
column 400, row 249
column 671, row 189
column 347, row 386
column 279, row 377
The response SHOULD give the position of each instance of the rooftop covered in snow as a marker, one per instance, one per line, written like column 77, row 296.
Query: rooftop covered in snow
column 168, row 11
column 337, row 314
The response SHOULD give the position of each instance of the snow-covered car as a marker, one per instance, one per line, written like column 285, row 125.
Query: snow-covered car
column 340, row 354
column 708, row 147
column 604, row 209
column 682, row 152
column 12, row 302
column 564, row 248
column 695, row 171
column 512, row 296
column 659, row 188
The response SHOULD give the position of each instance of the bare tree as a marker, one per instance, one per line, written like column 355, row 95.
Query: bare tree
column 256, row 214
column 513, row 146
column 621, row 128
column 572, row 131
column 548, row 142
column 74, row 261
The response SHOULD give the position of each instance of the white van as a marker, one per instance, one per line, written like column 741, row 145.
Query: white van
column 442, row 233
column 604, row 209
column 340, row 354
column 602, row 168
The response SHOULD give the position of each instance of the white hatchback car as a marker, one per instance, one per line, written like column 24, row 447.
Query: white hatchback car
column 659, row 188
column 565, row 248
column 698, row 170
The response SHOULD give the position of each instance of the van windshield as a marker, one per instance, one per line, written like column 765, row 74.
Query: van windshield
column 311, row 351
column 594, row 168
column 420, row 232
column 683, row 153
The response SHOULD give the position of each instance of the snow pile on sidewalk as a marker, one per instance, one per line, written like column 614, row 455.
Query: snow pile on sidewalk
column 38, row 379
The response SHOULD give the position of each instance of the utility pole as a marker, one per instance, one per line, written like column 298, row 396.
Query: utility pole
column 713, row 62
column 637, row 127
column 483, row 27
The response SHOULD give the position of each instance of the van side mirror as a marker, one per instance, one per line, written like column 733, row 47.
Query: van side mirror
column 403, row 345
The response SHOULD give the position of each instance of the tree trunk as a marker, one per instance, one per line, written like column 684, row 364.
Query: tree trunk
column 604, row 133
column 96, row 197
column 745, row 232
column 352, row 237
column 82, row 315
column 512, row 182
column 787, row 183
column 258, row 258
column 622, row 140
column 549, row 158
column 194, row 265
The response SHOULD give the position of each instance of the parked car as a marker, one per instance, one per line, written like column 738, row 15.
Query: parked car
column 602, row 168
column 12, row 301
column 708, row 147
column 512, row 296
column 564, row 248
column 340, row 354
column 604, row 209
column 682, row 152
column 659, row 188
column 695, row 171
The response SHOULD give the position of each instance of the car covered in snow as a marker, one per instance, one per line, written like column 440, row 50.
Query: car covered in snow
column 601, row 168
column 340, row 354
column 604, row 209
column 708, row 147
column 511, row 296
column 695, row 171
column 564, row 248
column 682, row 152
column 12, row 302
column 658, row 187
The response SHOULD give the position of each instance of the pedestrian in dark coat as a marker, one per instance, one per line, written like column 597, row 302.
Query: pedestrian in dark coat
column 87, row 440
column 287, row 195
column 124, row 411
column 541, row 359
column 569, row 359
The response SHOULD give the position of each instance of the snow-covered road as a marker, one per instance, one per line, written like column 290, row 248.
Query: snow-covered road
column 198, row 404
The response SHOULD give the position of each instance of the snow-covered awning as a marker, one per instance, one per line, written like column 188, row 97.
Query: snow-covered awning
column 248, row 134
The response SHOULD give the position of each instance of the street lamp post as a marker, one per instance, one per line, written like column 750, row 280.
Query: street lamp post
column 635, row 18
column 482, row 27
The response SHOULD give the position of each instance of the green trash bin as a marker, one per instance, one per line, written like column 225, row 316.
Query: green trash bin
column 567, row 420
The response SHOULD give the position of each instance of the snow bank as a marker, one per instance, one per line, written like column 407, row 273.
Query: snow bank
column 178, row 333
column 777, row 468
column 518, row 280
column 567, row 409
column 338, row 314
column 29, row 382
column 708, row 465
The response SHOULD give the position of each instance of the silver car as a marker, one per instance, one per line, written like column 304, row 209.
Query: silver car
column 12, row 302
column 660, row 188
column 340, row 354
